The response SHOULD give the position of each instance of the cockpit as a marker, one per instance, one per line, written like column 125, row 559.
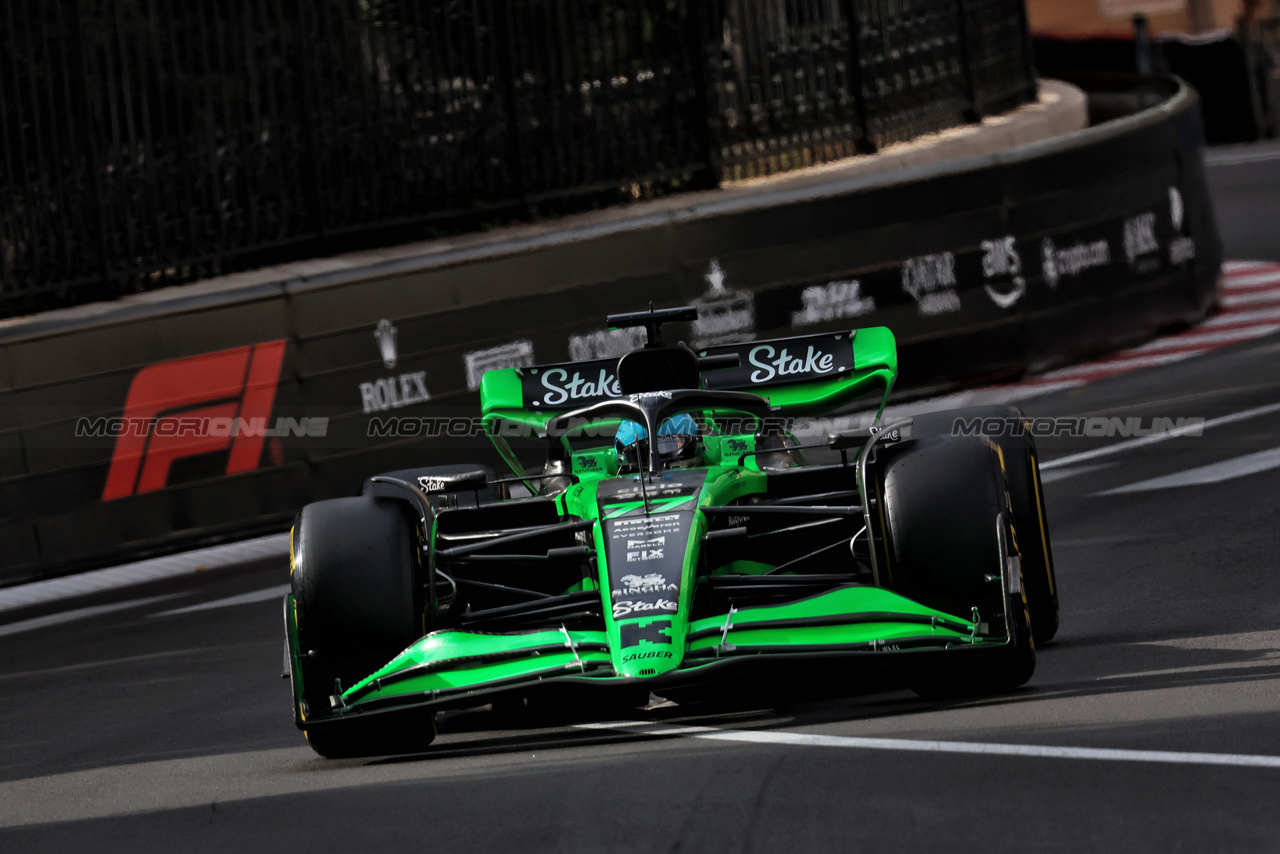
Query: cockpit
column 678, row 444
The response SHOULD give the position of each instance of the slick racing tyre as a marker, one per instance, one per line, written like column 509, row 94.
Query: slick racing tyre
column 946, row 507
column 359, row 604
column 1030, row 523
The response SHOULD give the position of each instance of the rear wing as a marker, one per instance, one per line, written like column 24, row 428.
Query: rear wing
column 807, row 374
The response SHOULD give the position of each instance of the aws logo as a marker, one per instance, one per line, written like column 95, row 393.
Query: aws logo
column 171, row 405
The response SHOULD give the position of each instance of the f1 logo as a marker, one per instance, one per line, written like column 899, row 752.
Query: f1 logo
column 237, row 384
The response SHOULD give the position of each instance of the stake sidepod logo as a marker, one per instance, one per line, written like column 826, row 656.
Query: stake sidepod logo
column 238, row 384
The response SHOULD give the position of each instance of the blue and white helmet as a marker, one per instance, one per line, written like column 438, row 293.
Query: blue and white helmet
column 630, row 432
column 677, row 437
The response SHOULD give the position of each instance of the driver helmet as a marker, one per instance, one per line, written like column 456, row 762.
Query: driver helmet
column 677, row 442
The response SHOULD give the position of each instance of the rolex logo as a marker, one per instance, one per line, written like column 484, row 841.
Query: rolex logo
column 386, row 335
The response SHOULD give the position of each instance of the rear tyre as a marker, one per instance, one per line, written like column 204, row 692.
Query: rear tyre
column 1029, row 521
column 946, row 504
column 359, row 604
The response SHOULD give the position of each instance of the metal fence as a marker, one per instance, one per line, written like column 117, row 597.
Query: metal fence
column 1261, row 42
column 152, row 142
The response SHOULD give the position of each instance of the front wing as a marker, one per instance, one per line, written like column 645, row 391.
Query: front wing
column 456, row 669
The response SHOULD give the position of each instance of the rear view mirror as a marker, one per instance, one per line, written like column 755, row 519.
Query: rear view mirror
column 467, row 481
column 847, row 440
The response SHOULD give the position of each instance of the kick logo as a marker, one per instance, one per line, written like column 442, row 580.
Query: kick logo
column 237, row 384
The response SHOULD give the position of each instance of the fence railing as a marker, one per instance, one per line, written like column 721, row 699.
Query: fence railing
column 153, row 142
column 1261, row 42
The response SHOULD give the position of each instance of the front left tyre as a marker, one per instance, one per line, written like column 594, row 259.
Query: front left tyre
column 358, row 604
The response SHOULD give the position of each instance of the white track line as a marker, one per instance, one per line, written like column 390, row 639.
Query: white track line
column 1251, row 280
column 1263, row 297
column 78, row 614
column 275, row 545
column 268, row 594
column 1063, row 474
column 1233, row 317
column 1212, row 473
column 1210, row 340
column 1128, row 361
column 1143, row 441
column 1035, row 751
column 1234, row 158
column 1231, row 268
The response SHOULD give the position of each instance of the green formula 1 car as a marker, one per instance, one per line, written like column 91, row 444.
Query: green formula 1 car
column 676, row 537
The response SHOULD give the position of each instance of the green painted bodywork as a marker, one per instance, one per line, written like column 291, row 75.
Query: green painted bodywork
column 853, row 618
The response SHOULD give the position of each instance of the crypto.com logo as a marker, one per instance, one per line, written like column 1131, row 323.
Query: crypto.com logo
column 237, row 383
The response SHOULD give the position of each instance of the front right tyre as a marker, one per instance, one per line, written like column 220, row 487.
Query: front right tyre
column 1009, row 429
column 947, row 505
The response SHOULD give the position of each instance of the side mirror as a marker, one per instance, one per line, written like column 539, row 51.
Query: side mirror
column 848, row 440
column 467, row 481
column 720, row 362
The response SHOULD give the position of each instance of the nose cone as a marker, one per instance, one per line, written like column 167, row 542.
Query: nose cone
column 650, row 538
column 648, row 646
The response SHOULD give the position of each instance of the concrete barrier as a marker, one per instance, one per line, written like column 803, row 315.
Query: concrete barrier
column 216, row 412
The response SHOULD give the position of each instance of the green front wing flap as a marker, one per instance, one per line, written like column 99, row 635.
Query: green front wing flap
column 448, row 665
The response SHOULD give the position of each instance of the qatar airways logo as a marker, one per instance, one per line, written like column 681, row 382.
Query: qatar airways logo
column 772, row 363
column 559, row 387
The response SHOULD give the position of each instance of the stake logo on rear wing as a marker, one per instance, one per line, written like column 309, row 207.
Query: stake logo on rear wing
column 803, row 375
column 782, row 361
column 570, row 385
